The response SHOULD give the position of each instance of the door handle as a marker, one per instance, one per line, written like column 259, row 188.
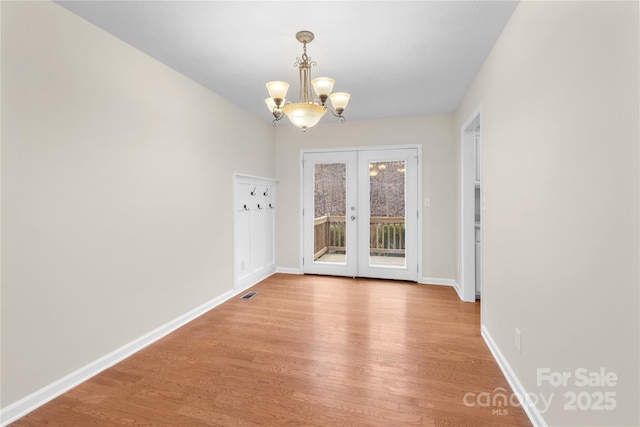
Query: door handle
column 353, row 217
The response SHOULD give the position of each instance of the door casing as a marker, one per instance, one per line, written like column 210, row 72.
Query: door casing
column 467, row 289
column 419, row 198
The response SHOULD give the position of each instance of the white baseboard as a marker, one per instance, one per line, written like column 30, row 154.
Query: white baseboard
column 288, row 270
column 40, row 397
column 525, row 401
column 442, row 282
column 249, row 280
column 458, row 289
column 437, row 281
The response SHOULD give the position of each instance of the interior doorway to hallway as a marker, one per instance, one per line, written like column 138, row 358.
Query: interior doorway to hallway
column 472, row 209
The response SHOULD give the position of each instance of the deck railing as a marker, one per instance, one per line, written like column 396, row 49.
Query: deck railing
column 386, row 235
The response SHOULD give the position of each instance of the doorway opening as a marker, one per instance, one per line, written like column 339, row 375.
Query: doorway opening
column 472, row 208
column 360, row 213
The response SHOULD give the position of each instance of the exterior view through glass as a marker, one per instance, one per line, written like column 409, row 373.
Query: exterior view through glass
column 387, row 208
column 387, row 213
column 329, row 195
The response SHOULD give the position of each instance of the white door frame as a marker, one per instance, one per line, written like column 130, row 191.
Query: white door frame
column 467, row 290
column 419, row 214
column 365, row 269
column 350, row 266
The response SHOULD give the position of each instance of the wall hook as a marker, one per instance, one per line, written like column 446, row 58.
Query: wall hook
column 253, row 193
column 266, row 191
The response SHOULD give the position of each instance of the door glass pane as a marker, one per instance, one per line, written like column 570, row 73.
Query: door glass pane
column 387, row 224
column 330, row 195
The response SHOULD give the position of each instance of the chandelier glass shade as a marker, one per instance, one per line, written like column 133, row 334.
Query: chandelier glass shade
column 308, row 111
column 304, row 115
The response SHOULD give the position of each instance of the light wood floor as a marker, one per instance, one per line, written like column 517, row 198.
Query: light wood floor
column 308, row 350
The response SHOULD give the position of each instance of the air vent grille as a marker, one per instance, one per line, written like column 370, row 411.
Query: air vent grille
column 249, row 295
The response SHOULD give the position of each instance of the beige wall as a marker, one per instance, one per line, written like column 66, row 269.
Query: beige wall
column 559, row 95
column 116, row 187
column 437, row 137
column 116, row 175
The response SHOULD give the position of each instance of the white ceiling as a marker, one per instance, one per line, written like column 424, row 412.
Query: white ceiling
column 396, row 58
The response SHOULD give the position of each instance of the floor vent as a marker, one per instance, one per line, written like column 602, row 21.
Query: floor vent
column 249, row 295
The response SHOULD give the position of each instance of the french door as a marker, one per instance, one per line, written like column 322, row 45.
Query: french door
column 360, row 213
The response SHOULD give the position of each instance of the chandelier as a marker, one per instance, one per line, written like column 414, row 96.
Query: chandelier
column 308, row 111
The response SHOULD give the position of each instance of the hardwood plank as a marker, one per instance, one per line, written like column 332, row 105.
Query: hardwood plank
column 308, row 350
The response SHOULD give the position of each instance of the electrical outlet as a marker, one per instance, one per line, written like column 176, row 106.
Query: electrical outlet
column 518, row 342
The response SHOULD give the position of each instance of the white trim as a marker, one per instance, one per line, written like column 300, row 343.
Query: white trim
column 348, row 268
column 301, row 213
column 49, row 392
column 458, row 289
column 257, row 278
column 256, row 271
column 472, row 117
column 411, row 270
column 444, row 282
column 288, row 270
column 251, row 177
column 467, row 290
column 529, row 408
column 420, row 196
column 437, row 281
column 360, row 148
